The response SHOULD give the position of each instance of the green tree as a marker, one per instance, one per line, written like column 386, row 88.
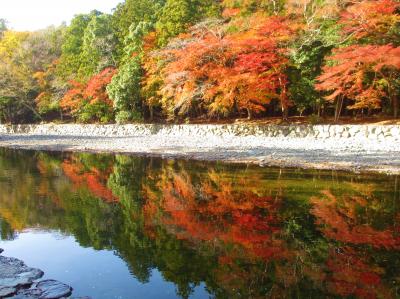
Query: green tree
column 124, row 90
column 125, row 87
column 98, row 47
column 177, row 15
column 132, row 12
column 307, row 57
column 70, row 60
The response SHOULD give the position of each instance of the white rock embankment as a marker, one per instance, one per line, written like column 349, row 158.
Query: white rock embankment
column 355, row 147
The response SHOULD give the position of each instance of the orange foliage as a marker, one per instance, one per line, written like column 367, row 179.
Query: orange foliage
column 370, row 19
column 242, row 71
column 348, row 77
column 47, row 92
column 73, row 99
column 94, row 180
column 93, row 92
column 230, row 12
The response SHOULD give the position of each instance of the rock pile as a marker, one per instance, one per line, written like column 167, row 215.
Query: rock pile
column 18, row 281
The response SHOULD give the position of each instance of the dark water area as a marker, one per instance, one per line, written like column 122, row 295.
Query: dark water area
column 115, row 226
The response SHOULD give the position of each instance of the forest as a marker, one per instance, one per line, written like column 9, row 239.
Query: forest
column 185, row 61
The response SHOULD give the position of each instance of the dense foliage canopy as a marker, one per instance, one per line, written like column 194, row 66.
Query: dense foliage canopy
column 182, row 60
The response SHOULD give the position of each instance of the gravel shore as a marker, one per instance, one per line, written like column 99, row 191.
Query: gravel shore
column 355, row 154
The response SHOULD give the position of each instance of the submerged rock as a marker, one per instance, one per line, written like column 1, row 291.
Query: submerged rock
column 53, row 289
column 45, row 289
column 14, row 273
column 17, row 281
column 7, row 291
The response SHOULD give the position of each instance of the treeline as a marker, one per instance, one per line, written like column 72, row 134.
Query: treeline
column 180, row 60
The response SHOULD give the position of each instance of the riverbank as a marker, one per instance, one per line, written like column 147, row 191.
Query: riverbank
column 342, row 147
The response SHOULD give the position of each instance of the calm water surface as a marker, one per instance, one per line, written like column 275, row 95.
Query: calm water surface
column 130, row 227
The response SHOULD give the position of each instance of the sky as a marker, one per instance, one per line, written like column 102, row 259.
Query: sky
column 30, row 15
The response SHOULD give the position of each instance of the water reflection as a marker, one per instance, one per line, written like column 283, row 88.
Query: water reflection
column 242, row 232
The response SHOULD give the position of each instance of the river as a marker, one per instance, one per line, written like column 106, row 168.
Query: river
column 119, row 226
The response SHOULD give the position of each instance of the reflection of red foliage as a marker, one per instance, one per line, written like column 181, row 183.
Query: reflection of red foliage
column 214, row 212
column 352, row 276
column 93, row 180
column 340, row 223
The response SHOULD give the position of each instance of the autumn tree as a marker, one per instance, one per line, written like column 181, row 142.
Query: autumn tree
column 23, row 54
column 90, row 102
column 365, row 71
column 272, row 7
column 3, row 27
column 51, row 91
column 364, row 74
column 372, row 22
column 226, row 74
column 182, row 59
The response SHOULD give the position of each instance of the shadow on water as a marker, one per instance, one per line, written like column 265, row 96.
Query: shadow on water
column 237, row 231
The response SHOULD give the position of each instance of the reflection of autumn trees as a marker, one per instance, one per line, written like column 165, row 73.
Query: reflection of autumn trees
column 342, row 220
column 243, row 232
column 261, row 239
column 346, row 220
column 213, row 211
column 94, row 179
column 352, row 275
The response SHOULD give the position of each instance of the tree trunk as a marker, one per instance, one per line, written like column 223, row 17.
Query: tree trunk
column 338, row 110
column 249, row 114
column 151, row 113
column 284, row 113
column 395, row 103
column 393, row 97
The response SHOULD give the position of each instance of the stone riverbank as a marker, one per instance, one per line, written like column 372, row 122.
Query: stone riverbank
column 341, row 147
